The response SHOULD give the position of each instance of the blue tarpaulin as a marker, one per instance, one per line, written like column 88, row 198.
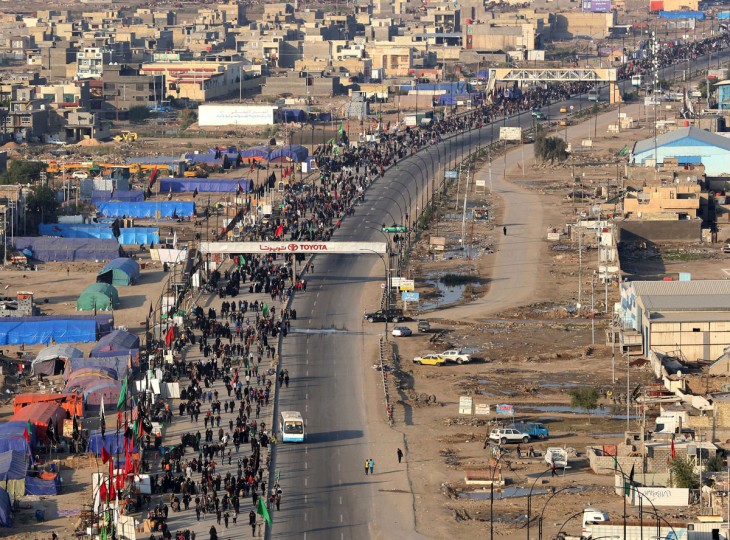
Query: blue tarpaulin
column 5, row 509
column 62, row 328
column 149, row 209
column 723, row 15
column 698, row 15
column 121, row 195
column 209, row 159
column 68, row 249
column 293, row 152
column 206, row 185
column 292, row 115
column 126, row 353
column 128, row 235
column 113, row 442
column 256, row 153
column 12, row 465
column 38, row 486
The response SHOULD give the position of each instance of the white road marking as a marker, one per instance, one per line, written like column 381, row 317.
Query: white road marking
column 338, row 466
column 341, row 518
column 306, row 481
column 307, row 373
column 340, row 500
column 306, row 396
column 306, row 407
column 306, row 466
column 305, row 516
column 306, row 449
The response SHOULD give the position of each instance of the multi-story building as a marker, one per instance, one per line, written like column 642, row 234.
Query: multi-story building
column 90, row 63
column 202, row 80
column 125, row 87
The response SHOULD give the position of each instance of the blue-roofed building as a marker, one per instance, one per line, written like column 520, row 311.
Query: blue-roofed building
column 687, row 145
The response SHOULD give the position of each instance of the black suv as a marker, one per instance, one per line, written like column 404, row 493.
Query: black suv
column 382, row 315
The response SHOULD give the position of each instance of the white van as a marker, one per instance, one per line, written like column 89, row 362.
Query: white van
column 594, row 95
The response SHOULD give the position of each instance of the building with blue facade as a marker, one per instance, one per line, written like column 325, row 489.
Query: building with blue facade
column 687, row 145
column 723, row 95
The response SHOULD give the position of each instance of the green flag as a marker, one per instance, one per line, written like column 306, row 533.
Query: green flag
column 122, row 395
column 615, row 463
column 262, row 511
column 265, row 309
column 341, row 131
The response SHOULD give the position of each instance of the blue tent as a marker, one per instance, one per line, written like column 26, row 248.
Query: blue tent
column 293, row 152
column 133, row 195
column 116, row 340
column 60, row 328
column 113, row 442
column 257, row 153
column 68, row 249
column 6, row 509
column 292, row 115
column 12, row 437
column 206, row 185
column 120, row 272
column 697, row 15
column 148, row 209
column 127, row 236
column 12, row 472
column 38, row 486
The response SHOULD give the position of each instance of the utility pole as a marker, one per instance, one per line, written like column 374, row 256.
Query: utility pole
column 463, row 215
column 580, row 267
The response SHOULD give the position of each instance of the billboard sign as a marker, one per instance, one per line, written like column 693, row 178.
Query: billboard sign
column 597, row 6
column 407, row 296
column 353, row 248
column 407, row 284
column 510, row 134
column 505, row 409
column 466, row 405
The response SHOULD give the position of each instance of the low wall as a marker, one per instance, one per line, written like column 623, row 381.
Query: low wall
column 687, row 230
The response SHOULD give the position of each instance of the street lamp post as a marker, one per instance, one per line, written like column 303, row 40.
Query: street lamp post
column 529, row 500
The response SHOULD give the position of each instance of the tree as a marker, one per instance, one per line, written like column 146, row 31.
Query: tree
column 715, row 464
column 551, row 148
column 41, row 206
column 187, row 118
column 22, row 172
column 683, row 474
column 139, row 114
column 584, row 398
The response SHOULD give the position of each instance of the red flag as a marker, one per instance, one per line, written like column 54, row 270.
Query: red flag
column 26, row 435
column 279, row 230
column 105, row 456
column 170, row 336
column 153, row 176
column 674, row 453
column 103, row 494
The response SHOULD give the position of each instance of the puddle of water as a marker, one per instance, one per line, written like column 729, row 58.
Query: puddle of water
column 320, row 331
column 558, row 385
column 446, row 295
column 603, row 412
column 507, row 392
column 609, row 434
column 511, row 492
column 482, row 381
column 569, row 309
column 488, row 394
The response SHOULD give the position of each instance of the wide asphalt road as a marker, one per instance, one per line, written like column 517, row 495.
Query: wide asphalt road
column 325, row 492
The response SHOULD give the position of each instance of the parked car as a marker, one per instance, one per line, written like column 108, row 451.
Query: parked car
column 535, row 430
column 80, row 175
column 401, row 331
column 726, row 248
column 429, row 360
column 382, row 315
column 509, row 435
column 456, row 356
column 424, row 326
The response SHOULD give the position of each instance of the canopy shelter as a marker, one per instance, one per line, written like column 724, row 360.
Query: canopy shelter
column 255, row 153
column 293, row 153
column 119, row 272
column 113, row 442
column 119, row 195
column 206, row 185
column 119, row 364
column 147, row 209
column 68, row 249
column 98, row 296
column 93, row 389
column 13, row 468
column 44, row 483
column 5, row 509
column 127, row 235
column 118, row 340
column 52, row 360
column 12, row 437
column 46, row 417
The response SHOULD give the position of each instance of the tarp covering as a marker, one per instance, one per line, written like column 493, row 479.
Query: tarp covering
column 148, row 209
column 12, row 473
column 60, row 328
column 68, row 249
column 98, row 296
column 698, row 15
column 255, row 153
column 115, row 341
column 293, row 152
column 37, row 485
column 120, row 272
column 128, row 235
column 206, row 185
column 93, row 388
column 113, row 442
column 292, row 115
column 41, row 415
column 11, row 437
column 119, row 364
column 209, row 159
column 723, row 15
column 122, row 195
column 126, row 353
column 5, row 509
column 45, row 362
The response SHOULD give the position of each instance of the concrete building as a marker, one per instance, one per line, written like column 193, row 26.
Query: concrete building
column 90, row 63
column 394, row 61
column 670, row 202
column 499, row 37
column 202, row 80
column 125, row 87
column 58, row 60
column 687, row 145
column 688, row 319
column 577, row 23
column 301, row 85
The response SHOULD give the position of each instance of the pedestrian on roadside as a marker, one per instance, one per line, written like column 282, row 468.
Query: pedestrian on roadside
column 400, row 455
column 367, row 466
column 553, row 471
column 504, row 230
column 371, row 464
column 252, row 522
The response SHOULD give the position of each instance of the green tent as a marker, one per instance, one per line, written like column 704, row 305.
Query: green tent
column 98, row 296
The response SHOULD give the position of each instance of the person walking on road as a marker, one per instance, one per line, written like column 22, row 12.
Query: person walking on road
column 371, row 465
column 400, row 455
column 213, row 533
column 252, row 522
column 367, row 466
column 504, row 230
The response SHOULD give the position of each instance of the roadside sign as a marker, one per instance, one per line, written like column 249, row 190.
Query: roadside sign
column 482, row 409
column 452, row 174
column 395, row 282
column 407, row 284
column 410, row 296
column 510, row 133
column 505, row 409
column 466, row 405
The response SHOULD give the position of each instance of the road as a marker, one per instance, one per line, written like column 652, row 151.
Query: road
column 329, row 353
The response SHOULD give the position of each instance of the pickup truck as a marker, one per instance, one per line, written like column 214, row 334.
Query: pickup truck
column 456, row 356
column 535, row 430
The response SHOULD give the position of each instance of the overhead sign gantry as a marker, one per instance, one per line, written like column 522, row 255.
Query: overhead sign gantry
column 540, row 75
column 335, row 248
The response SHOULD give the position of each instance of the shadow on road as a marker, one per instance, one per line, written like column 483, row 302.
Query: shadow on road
column 331, row 436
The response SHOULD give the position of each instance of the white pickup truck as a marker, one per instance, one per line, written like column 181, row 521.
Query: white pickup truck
column 456, row 356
